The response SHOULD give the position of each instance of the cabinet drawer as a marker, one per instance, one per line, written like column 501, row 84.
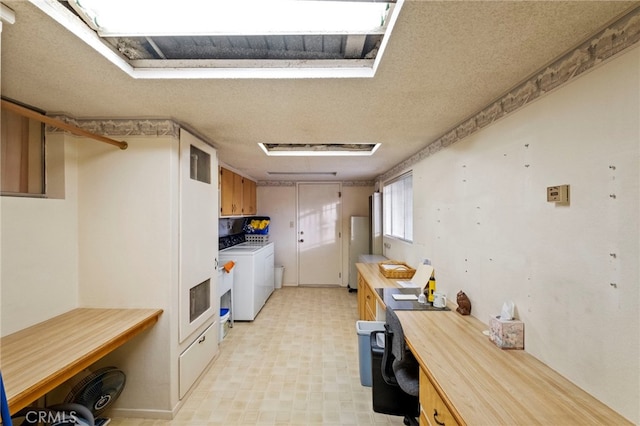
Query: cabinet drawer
column 370, row 304
column 196, row 357
column 435, row 411
column 361, row 298
column 423, row 418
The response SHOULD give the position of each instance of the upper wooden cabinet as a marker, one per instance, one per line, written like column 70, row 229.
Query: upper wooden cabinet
column 237, row 194
column 249, row 197
column 226, row 192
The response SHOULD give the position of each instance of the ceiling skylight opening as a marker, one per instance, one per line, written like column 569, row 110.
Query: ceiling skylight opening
column 319, row 150
column 126, row 18
column 233, row 39
column 302, row 173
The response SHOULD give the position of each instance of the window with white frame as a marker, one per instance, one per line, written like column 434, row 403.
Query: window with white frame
column 398, row 207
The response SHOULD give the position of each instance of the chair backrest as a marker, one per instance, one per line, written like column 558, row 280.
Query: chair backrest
column 403, row 364
column 398, row 345
column 394, row 346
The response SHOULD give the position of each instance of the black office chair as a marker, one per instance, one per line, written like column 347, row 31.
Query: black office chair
column 395, row 373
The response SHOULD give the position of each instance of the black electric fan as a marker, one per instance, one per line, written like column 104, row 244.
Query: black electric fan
column 98, row 391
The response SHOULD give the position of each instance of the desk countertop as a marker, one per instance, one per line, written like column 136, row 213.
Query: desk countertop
column 483, row 384
column 387, row 296
column 41, row 357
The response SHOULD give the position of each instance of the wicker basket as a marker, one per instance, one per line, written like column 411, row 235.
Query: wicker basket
column 395, row 269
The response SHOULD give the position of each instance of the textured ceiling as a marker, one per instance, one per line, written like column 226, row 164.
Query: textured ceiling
column 444, row 62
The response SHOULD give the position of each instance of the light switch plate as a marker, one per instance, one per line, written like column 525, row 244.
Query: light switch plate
column 558, row 194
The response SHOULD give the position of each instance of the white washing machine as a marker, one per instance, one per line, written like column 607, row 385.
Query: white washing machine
column 253, row 277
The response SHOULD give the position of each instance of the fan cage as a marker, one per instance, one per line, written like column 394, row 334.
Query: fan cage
column 98, row 390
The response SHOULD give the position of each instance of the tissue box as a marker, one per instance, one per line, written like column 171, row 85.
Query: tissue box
column 506, row 334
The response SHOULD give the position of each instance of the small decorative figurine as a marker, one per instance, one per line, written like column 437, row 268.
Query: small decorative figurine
column 464, row 304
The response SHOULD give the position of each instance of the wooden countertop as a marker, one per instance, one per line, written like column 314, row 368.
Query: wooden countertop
column 41, row 357
column 484, row 385
column 371, row 273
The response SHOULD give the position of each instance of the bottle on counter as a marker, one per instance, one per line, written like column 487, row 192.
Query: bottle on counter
column 431, row 288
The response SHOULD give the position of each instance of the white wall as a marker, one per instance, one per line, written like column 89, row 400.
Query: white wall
column 486, row 225
column 126, row 196
column 279, row 203
column 128, row 231
column 39, row 273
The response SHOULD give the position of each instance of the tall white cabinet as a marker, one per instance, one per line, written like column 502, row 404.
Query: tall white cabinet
column 148, row 235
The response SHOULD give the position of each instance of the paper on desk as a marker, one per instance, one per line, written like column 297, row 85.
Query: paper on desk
column 392, row 267
column 420, row 278
column 404, row 296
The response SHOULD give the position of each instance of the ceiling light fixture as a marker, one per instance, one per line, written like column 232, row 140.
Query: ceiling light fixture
column 126, row 18
column 319, row 150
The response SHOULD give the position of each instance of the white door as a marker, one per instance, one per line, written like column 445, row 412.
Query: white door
column 198, row 232
column 319, row 234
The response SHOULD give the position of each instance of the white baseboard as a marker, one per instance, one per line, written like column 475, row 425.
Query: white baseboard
column 142, row 414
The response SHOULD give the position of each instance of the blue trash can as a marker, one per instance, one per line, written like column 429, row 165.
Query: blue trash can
column 364, row 330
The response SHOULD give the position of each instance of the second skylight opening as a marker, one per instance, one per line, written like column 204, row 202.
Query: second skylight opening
column 332, row 149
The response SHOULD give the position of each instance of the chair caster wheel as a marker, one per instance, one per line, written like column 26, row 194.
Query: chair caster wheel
column 410, row 421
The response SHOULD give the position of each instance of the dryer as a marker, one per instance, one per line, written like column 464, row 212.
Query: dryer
column 254, row 279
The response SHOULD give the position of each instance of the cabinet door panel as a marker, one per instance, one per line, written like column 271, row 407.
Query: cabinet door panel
column 237, row 194
column 226, row 191
column 198, row 234
column 249, row 197
column 434, row 408
column 196, row 357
